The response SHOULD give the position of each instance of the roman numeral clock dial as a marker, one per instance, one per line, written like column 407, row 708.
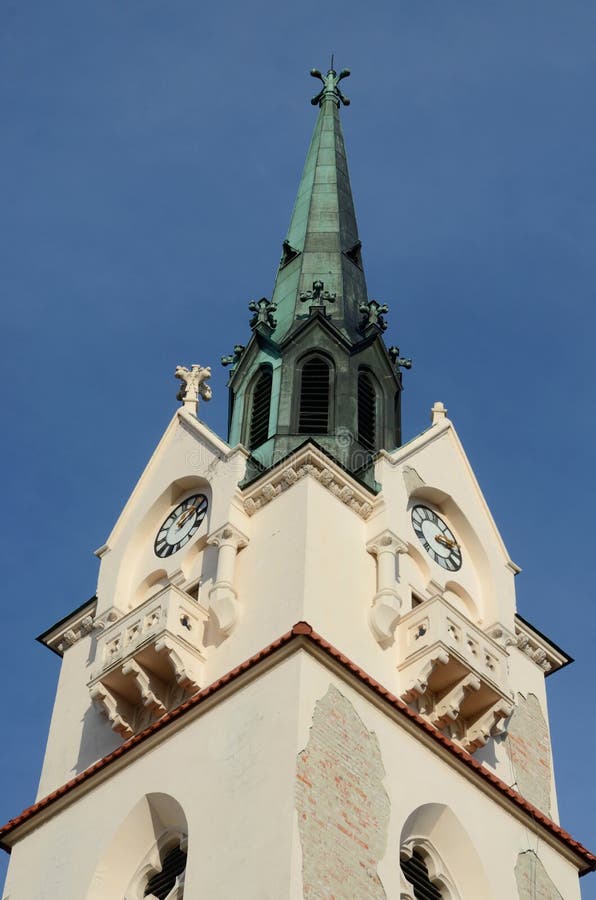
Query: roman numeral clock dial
column 181, row 525
column 437, row 538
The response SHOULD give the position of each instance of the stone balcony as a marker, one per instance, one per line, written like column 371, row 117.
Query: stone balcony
column 452, row 673
column 149, row 661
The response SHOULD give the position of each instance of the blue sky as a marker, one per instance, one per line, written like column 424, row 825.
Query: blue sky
column 149, row 161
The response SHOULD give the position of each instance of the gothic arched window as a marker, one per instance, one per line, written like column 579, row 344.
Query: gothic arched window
column 260, row 408
column 367, row 410
column 168, row 882
column 416, row 871
column 315, row 384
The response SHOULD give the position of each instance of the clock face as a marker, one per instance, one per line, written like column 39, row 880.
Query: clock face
column 436, row 538
column 183, row 522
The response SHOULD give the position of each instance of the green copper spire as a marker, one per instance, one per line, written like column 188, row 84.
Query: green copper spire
column 316, row 367
column 321, row 254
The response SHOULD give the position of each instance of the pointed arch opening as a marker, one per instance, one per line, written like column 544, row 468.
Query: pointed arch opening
column 438, row 856
column 260, row 407
column 367, row 410
column 417, row 873
column 315, row 396
column 146, row 854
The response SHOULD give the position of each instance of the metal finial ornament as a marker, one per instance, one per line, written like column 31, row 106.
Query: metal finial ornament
column 319, row 296
column 234, row 358
column 330, row 89
column 400, row 362
column 263, row 310
column 372, row 315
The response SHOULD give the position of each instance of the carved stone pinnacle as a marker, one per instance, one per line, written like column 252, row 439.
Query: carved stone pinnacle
column 193, row 385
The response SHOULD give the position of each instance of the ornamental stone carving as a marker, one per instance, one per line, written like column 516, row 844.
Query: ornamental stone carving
column 309, row 462
column 385, row 610
column 193, row 386
column 223, row 600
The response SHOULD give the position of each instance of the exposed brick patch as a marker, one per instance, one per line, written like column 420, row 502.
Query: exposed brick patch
column 529, row 749
column 532, row 881
column 343, row 808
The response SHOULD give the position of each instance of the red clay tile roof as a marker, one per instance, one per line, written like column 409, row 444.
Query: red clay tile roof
column 303, row 631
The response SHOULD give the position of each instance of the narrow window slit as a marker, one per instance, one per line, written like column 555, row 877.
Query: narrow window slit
column 314, row 397
column 261, row 405
column 367, row 418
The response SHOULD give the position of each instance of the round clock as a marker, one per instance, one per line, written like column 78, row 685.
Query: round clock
column 180, row 526
column 436, row 537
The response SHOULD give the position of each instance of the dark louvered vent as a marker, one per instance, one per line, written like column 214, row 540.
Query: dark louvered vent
column 367, row 424
column 314, row 397
column 416, row 871
column 173, row 864
column 261, row 403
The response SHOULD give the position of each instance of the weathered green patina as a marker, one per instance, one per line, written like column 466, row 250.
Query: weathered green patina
column 323, row 232
column 320, row 308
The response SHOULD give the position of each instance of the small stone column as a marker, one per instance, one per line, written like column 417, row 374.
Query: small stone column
column 223, row 600
column 384, row 614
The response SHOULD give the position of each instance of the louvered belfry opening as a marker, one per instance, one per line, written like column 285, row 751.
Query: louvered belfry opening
column 416, row 871
column 173, row 864
column 367, row 411
column 261, row 405
column 314, row 397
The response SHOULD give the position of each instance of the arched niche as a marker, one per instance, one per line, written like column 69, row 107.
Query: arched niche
column 434, row 831
column 133, row 850
column 459, row 597
column 419, row 570
column 150, row 586
column 139, row 564
column 477, row 574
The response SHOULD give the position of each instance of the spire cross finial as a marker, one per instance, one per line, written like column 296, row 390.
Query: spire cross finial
column 263, row 310
column 318, row 295
column 330, row 89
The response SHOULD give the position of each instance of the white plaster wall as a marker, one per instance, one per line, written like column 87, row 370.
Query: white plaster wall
column 526, row 678
column 78, row 734
column 232, row 770
column 188, row 458
column 449, row 486
column 306, row 559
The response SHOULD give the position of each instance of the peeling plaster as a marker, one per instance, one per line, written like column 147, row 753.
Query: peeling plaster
column 343, row 808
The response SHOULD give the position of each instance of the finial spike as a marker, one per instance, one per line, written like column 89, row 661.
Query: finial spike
column 330, row 89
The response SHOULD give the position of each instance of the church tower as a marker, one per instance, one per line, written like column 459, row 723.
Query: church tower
column 303, row 673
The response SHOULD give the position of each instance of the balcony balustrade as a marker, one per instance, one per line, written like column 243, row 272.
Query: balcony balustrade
column 149, row 661
column 453, row 673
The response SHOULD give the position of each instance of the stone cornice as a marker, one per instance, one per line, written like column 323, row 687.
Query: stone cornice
column 71, row 629
column 309, row 461
column 538, row 648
